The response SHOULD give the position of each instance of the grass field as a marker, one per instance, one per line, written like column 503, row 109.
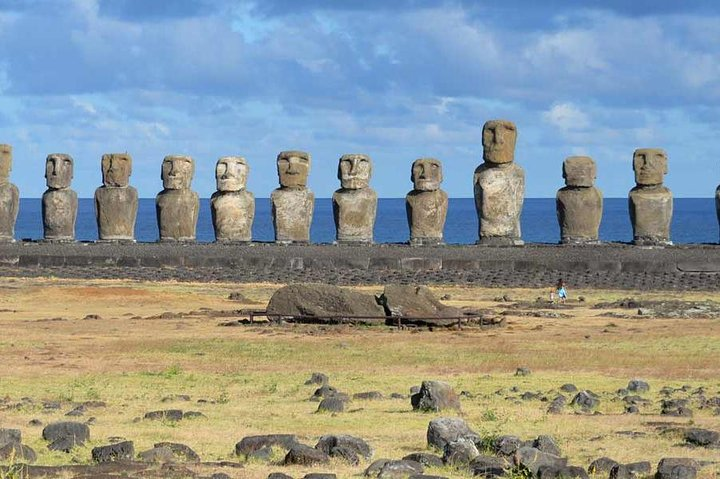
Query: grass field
column 251, row 378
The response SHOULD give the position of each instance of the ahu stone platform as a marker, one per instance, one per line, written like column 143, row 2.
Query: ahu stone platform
column 611, row 265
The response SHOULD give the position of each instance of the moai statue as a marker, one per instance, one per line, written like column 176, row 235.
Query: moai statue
column 9, row 197
column 651, row 203
column 59, row 202
column 232, row 206
column 293, row 202
column 426, row 205
column 355, row 203
column 177, row 205
column 116, row 202
column 499, row 186
column 717, row 203
column 579, row 204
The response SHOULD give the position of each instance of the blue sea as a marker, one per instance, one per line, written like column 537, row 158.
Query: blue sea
column 694, row 221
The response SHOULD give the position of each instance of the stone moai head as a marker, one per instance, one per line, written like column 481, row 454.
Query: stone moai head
column 498, row 139
column 354, row 171
column 58, row 171
column 5, row 162
column 650, row 165
column 177, row 172
column 293, row 168
column 426, row 174
column 231, row 173
column 116, row 169
column 579, row 171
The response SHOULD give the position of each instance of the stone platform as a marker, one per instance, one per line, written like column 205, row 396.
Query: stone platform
column 610, row 265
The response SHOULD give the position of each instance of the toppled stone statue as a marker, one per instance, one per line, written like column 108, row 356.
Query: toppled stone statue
column 293, row 202
column 579, row 204
column 177, row 205
column 426, row 205
column 59, row 202
column 232, row 205
column 9, row 197
column 355, row 203
column 324, row 301
column 651, row 203
column 116, row 202
column 499, row 186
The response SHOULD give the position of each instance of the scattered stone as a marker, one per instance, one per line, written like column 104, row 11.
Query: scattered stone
column 175, row 397
column 92, row 316
column 426, row 459
column 10, row 436
column 261, row 455
column 158, row 455
column 166, row 415
column 327, row 443
column 180, row 451
column 523, row 371
column 460, row 452
column 676, row 408
column 278, row 475
column 324, row 391
column 445, row 430
column 250, row 444
column 193, row 415
column 369, row 396
column 319, row 475
column 546, row 444
column 489, row 466
column 630, row 471
column 565, row 472
column 305, row 455
column 533, row 459
column 632, row 409
column 568, row 388
column 677, row 468
column 17, row 452
column 397, row 469
column 35, row 422
column 638, row 386
column 602, row 466
column 586, row 400
column 435, row 396
column 702, row 437
column 507, row 445
column 122, row 451
column 332, row 404
column 78, row 411
column 317, row 378
column 220, row 475
column 557, row 405
column 63, row 436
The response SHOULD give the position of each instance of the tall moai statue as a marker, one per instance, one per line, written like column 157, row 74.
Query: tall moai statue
column 355, row 203
column 177, row 205
column 232, row 205
column 59, row 202
column 579, row 204
column 116, row 202
column 717, row 203
column 499, row 186
column 9, row 197
column 650, row 203
column 426, row 205
column 293, row 202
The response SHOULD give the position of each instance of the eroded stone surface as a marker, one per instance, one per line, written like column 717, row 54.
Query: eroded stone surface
column 426, row 205
column 499, row 186
column 717, row 202
column 116, row 202
column 650, row 203
column 355, row 203
column 579, row 204
column 9, row 196
column 293, row 203
column 177, row 205
column 59, row 202
column 232, row 206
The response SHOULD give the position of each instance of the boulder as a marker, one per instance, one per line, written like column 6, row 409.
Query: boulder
column 317, row 378
column 445, row 430
column 414, row 301
column 460, row 452
column 586, row 400
column 546, row 444
column 532, row 459
column 568, row 388
column 63, row 436
column 10, row 436
column 305, row 456
column 121, row 451
column 165, row 415
column 159, row 455
column 321, row 300
column 565, row 472
column 319, row 475
column 638, row 386
column 278, row 475
column 332, row 404
column 702, row 437
column 507, row 445
column 368, row 396
column 435, row 396
column 489, row 466
column 17, row 452
column 426, row 459
column 630, row 471
column 399, row 469
column 677, row 468
column 327, row 443
column 602, row 466
column 180, row 451
column 250, row 444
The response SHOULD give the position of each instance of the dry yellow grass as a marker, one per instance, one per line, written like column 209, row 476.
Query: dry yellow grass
column 252, row 376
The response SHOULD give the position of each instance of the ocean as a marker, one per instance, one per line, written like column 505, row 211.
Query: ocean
column 694, row 221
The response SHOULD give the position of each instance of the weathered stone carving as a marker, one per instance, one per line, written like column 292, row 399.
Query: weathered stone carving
column 426, row 205
column 355, row 203
column 499, row 186
column 9, row 197
column 293, row 202
column 116, row 202
column 650, row 203
column 579, row 203
column 717, row 202
column 177, row 205
column 232, row 206
column 59, row 202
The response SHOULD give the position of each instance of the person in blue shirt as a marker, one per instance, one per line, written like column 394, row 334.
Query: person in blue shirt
column 561, row 291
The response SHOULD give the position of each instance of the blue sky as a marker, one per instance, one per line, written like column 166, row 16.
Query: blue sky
column 396, row 80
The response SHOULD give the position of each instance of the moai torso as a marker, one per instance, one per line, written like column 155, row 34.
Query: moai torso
column 292, row 211
column 177, row 205
column 233, row 213
column 293, row 202
column 355, row 203
column 717, row 203
column 650, row 203
column 579, row 204
column 426, row 205
column 499, row 186
column 9, row 197
column 232, row 206
column 59, row 202
column 116, row 202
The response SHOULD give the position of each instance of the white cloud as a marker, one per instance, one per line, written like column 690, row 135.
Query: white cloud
column 567, row 117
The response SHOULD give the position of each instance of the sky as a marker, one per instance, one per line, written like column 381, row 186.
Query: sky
column 396, row 80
